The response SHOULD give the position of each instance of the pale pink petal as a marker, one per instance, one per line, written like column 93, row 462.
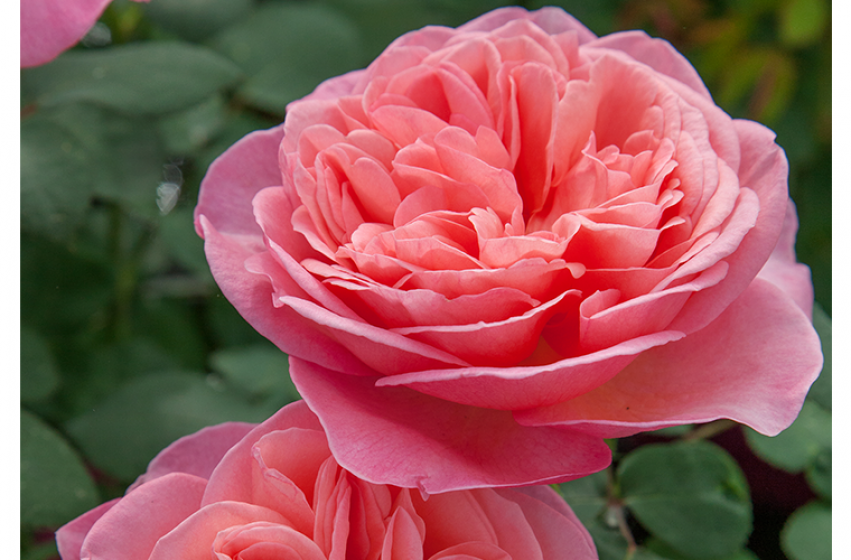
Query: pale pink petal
column 132, row 527
column 656, row 53
column 763, row 170
column 367, row 426
column 784, row 271
column 753, row 364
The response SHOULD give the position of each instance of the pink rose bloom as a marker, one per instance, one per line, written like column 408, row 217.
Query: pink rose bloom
column 499, row 244
column 274, row 491
column 49, row 27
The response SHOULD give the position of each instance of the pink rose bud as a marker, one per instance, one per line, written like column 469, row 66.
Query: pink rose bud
column 499, row 244
column 49, row 27
column 275, row 491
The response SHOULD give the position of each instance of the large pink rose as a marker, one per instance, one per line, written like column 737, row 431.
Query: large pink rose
column 49, row 27
column 274, row 491
column 499, row 244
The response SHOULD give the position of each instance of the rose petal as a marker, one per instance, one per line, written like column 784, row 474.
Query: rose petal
column 196, row 454
column 132, row 527
column 754, row 364
column 367, row 426
column 70, row 537
column 783, row 270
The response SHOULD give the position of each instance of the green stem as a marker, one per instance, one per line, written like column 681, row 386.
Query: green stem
column 707, row 431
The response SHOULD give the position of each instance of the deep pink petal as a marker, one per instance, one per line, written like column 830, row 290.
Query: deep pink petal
column 49, row 27
column 234, row 178
column 367, row 426
column 518, row 388
column 754, row 364
column 251, row 295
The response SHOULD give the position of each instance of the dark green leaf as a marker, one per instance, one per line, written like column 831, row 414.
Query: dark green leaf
column 139, row 78
column 663, row 550
column 196, row 19
column 820, row 392
column 288, row 49
column 691, row 495
column 39, row 376
column 796, row 447
column 819, row 474
column 259, row 370
column 187, row 131
column 126, row 431
column 59, row 172
column 177, row 231
column 807, row 534
column 64, row 291
column 55, row 486
column 587, row 495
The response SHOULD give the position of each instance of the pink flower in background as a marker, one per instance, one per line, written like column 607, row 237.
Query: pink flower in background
column 49, row 27
column 501, row 243
column 275, row 491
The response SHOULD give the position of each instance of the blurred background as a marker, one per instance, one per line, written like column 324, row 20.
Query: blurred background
column 127, row 344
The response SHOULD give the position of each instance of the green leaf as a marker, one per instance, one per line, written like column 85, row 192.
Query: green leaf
column 259, row 370
column 196, row 19
column 587, row 495
column 139, row 78
column 58, row 175
column 662, row 550
column 177, row 232
column 691, row 495
column 796, row 447
column 807, row 534
column 39, row 375
column 820, row 392
column 802, row 22
column 187, row 131
column 126, row 431
column 288, row 49
column 74, row 152
column 55, row 486
column 820, row 474
column 63, row 291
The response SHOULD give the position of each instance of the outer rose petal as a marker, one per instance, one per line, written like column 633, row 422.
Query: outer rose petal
column 49, row 27
column 754, row 364
column 196, row 454
column 70, row 537
column 448, row 446
column 784, row 271
column 131, row 528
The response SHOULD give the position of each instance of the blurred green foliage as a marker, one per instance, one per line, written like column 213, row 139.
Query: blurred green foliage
column 127, row 343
